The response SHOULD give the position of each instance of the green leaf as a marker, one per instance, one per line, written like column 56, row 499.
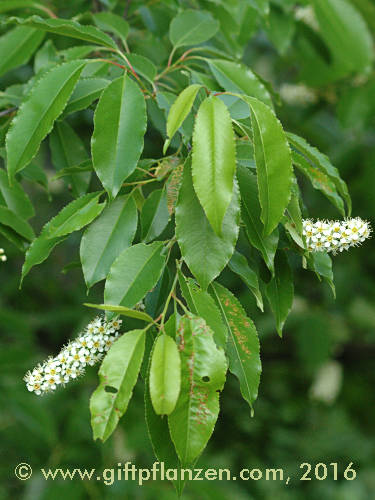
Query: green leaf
column 155, row 215
column 17, row 240
column 85, row 166
column 165, row 375
column 321, row 263
column 107, row 237
column 318, row 167
column 204, row 252
column 39, row 250
column 238, row 78
column 76, row 215
column 68, row 150
column 203, row 371
column 243, row 343
column 46, row 56
column 179, row 111
column 34, row 173
column 14, row 197
column 273, row 162
column 66, row 27
column 37, row 114
column 107, row 21
column 214, row 160
column 7, row 5
column 122, row 311
column 143, row 66
column 19, row 225
column 119, row 126
column 280, row 291
column 239, row 265
column 119, row 372
column 159, row 435
column 17, row 46
column 135, row 271
column 346, row 33
column 261, row 5
column 85, row 93
column 250, row 210
column 202, row 304
column 191, row 27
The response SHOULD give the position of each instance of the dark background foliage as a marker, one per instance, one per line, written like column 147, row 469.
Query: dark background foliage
column 293, row 423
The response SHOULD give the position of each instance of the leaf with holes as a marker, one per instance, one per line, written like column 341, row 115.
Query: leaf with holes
column 214, row 160
column 165, row 375
column 203, row 372
column 37, row 114
column 202, row 304
column 204, row 252
column 119, row 126
column 107, row 237
column 243, row 343
column 118, row 374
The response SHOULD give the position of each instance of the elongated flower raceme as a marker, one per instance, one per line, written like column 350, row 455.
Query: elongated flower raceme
column 87, row 349
column 335, row 236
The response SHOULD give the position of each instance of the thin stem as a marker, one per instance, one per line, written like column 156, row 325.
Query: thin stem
column 180, row 303
column 169, row 297
column 8, row 111
column 139, row 183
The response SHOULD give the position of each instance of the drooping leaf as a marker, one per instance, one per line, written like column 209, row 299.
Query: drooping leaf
column 179, row 111
column 46, row 56
column 68, row 150
column 204, row 252
column 36, row 116
column 155, row 215
column 165, row 375
column 250, row 210
column 86, row 92
column 118, row 374
column 243, row 343
column 119, row 126
column 350, row 41
column 135, row 271
column 202, row 304
column 76, row 215
column 66, row 27
column 39, row 250
column 214, row 160
column 273, row 162
column 280, row 291
column 17, row 46
column 14, row 197
column 318, row 167
column 143, row 66
column 239, row 265
column 107, row 237
column 17, row 240
column 203, row 371
column 15, row 222
column 238, row 78
column 191, row 27
column 107, row 21
column 122, row 311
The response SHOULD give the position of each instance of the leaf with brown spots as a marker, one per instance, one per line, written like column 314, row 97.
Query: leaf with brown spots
column 118, row 374
column 243, row 343
column 203, row 371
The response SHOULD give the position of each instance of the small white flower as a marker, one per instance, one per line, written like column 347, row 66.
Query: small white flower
column 3, row 257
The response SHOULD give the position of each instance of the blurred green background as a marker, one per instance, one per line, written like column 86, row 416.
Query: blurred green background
column 316, row 400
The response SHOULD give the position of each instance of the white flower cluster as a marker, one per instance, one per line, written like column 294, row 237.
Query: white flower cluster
column 3, row 257
column 298, row 95
column 87, row 349
column 335, row 236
